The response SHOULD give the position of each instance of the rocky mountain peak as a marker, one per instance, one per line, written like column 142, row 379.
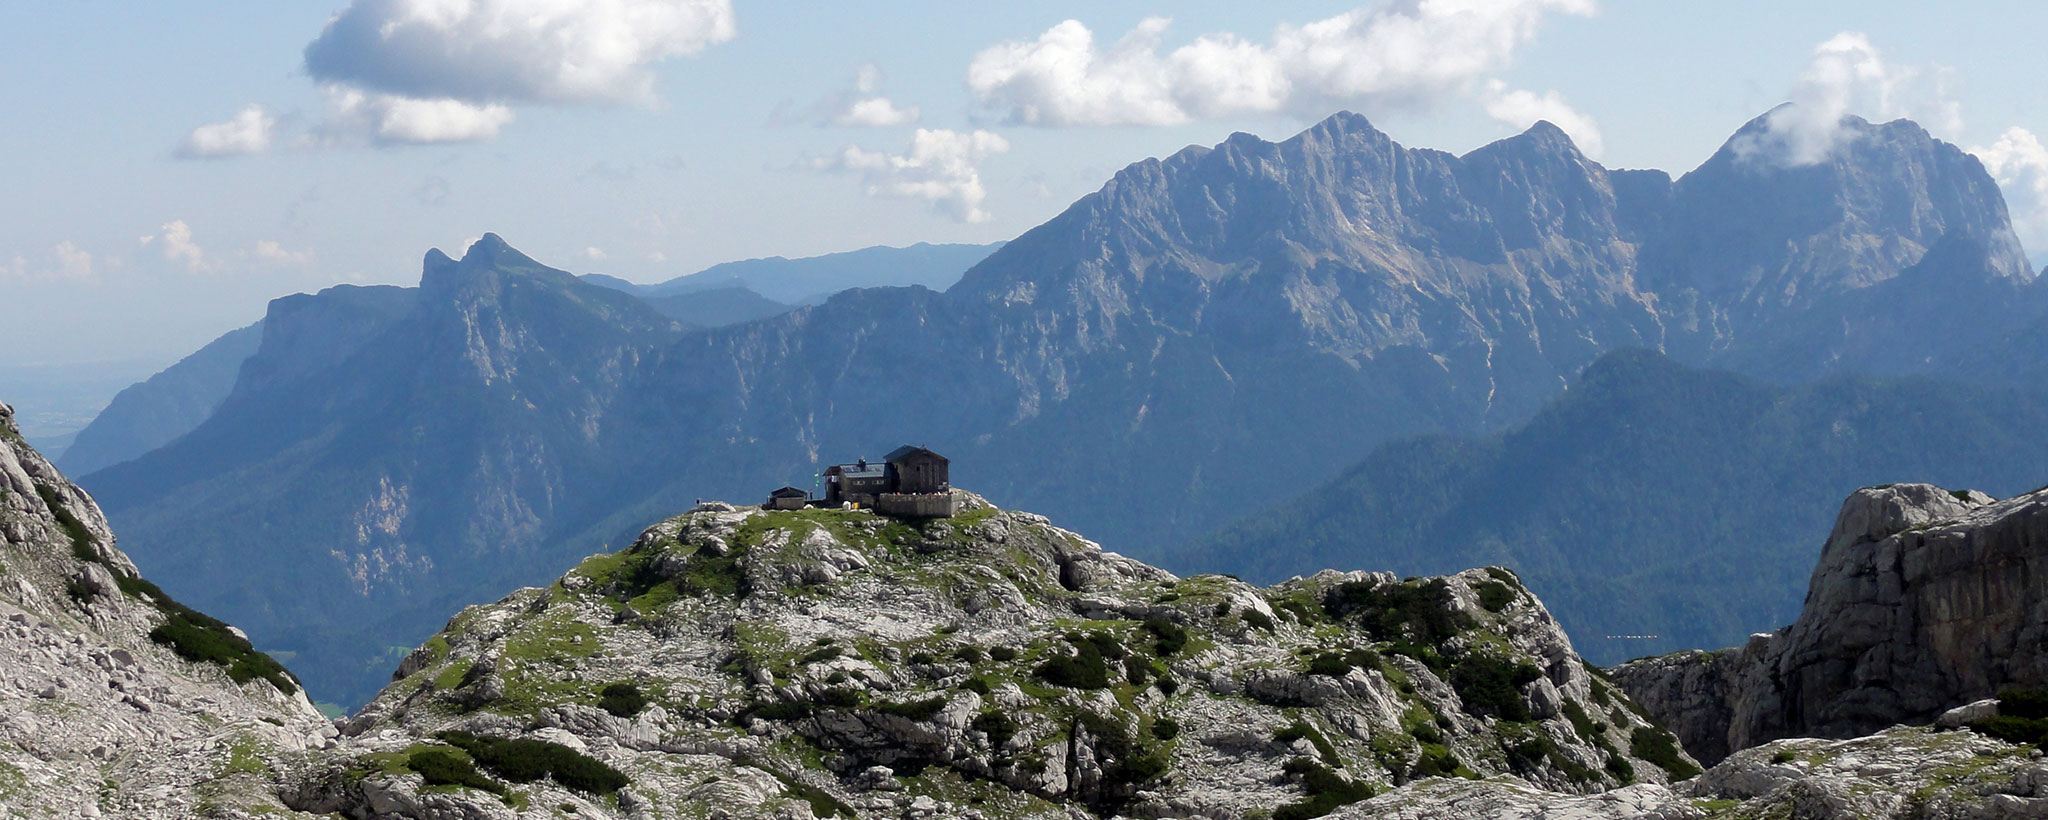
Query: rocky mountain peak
column 992, row 665
column 1922, row 602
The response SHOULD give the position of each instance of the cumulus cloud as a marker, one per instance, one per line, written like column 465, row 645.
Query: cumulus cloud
column 1401, row 53
column 356, row 117
column 247, row 133
column 1848, row 75
column 518, row 51
column 865, row 108
column 177, row 244
column 594, row 253
column 2020, row 164
column 1522, row 109
column 64, row 261
column 271, row 252
column 940, row 167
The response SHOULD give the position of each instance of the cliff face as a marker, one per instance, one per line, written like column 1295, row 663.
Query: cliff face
column 789, row 663
column 1924, row 599
column 114, row 700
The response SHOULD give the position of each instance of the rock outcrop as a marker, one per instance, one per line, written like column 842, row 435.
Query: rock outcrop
column 752, row 664
column 114, row 700
column 1925, row 599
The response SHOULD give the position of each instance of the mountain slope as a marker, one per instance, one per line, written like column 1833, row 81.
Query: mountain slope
column 147, row 415
column 395, row 479
column 114, row 699
column 1652, row 498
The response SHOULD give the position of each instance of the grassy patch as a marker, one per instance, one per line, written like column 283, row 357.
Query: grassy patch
column 1326, row 790
column 1494, row 595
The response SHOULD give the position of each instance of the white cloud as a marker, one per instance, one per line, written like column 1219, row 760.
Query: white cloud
column 247, row 133
column 356, row 117
column 64, row 261
column 940, row 167
column 594, row 254
column 1402, row 53
column 1847, row 76
column 1522, row 109
column 271, row 252
column 876, row 112
column 2020, row 164
column 179, row 247
column 558, row 52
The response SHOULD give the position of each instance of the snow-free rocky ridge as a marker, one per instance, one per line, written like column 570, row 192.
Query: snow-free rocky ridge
column 100, row 715
column 1925, row 600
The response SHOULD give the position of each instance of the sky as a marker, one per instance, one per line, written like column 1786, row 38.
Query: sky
column 170, row 168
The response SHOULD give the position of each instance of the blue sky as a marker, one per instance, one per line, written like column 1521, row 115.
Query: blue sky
column 149, row 207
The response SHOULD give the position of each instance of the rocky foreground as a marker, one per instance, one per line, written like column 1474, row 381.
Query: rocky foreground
column 737, row 663
column 1925, row 599
column 114, row 700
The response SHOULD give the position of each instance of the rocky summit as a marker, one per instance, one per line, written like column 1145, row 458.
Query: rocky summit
column 116, row 701
column 742, row 663
column 1923, row 601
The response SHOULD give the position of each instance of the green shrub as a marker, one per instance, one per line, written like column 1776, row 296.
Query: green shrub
column 838, row 698
column 1299, row 730
column 821, row 655
column 1491, row 685
column 1582, row 723
column 1494, row 595
column 1437, row 760
column 1170, row 637
column 2023, row 702
column 1421, row 612
column 1087, row 668
column 923, row 659
column 622, row 699
column 781, row 710
column 1004, row 654
column 922, row 709
column 1327, row 791
column 969, row 654
column 195, row 636
column 1624, row 772
column 1136, row 670
column 444, row 766
column 1258, row 620
column 1165, row 728
column 74, row 529
column 1166, row 685
column 998, row 725
column 525, row 761
column 2013, row 729
column 1660, row 747
column 1330, row 664
column 1784, row 756
column 975, row 685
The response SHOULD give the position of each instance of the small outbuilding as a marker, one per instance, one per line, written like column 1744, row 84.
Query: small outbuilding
column 788, row 498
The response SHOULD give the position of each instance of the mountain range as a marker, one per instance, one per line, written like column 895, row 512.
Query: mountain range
column 1208, row 335
column 1658, row 506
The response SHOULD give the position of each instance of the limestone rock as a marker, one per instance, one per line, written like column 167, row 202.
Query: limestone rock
column 1923, row 601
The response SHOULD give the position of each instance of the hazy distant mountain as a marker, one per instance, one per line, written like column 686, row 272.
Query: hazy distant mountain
column 810, row 279
column 169, row 404
column 716, row 307
column 1207, row 335
column 335, row 502
column 1651, row 498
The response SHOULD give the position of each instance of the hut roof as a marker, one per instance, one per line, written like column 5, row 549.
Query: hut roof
column 909, row 450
